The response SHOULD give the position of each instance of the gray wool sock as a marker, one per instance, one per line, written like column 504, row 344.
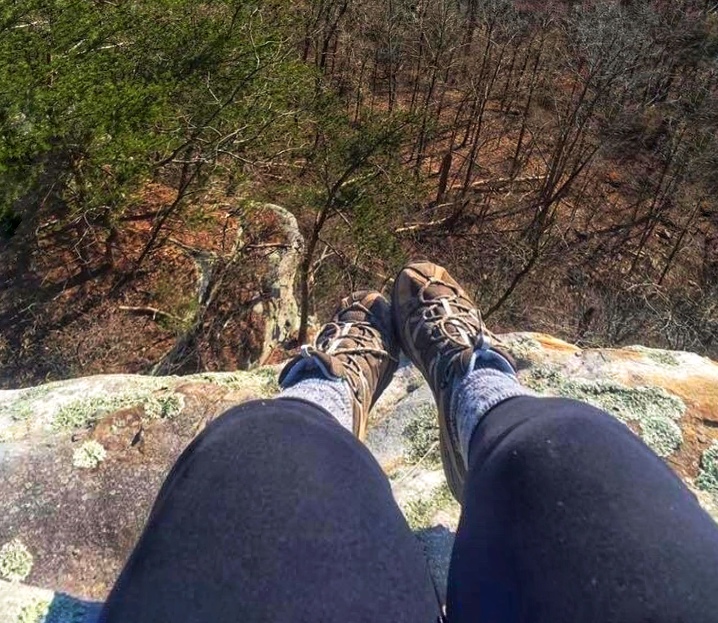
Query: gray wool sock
column 490, row 381
column 334, row 395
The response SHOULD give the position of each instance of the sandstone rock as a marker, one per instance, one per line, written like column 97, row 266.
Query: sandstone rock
column 81, row 460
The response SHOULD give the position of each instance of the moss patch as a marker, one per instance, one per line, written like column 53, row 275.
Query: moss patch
column 663, row 357
column 15, row 561
column 420, row 513
column 626, row 403
column 662, row 435
column 23, row 407
column 231, row 379
column 21, row 412
column 268, row 378
column 708, row 476
column 422, row 437
column 163, row 407
column 265, row 379
column 522, row 348
column 34, row 612
column 653, row 408
column 84, row 412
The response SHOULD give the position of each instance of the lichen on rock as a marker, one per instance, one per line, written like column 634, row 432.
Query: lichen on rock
column 708, row 476
column 421, row 512
column 34, row 612
column 661, row 434
column 626, row 403
column 165, row 406
column 653, row 408
column 642, row 388
column 23, row 407
column 521, row 347
column 658, row 355
column 268, row 379
column 89, row 455
column 264, row 379
column 84, row 412
column 422, row 437
column 15, row 561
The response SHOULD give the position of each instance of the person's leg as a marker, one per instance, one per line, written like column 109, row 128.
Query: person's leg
column 275, row 513
column 569, row 517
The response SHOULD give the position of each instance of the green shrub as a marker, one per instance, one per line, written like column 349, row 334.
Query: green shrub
column 96, row 97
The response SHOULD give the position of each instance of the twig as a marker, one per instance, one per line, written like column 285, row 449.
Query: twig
column 416, row 465
column 416, row 226
column 150, row 311
column 268, row 245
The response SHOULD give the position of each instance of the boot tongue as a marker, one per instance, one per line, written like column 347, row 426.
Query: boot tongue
column 464, row 361
column 311, row 361
column 353, row 315
column 437, row 291
column 328, row 365
column 485, row 357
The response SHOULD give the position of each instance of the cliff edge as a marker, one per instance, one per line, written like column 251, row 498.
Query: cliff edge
column 82, row 460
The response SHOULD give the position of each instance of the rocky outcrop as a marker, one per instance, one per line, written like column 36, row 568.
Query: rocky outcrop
column 277, row 308
column 81, row 460
column 280, row 310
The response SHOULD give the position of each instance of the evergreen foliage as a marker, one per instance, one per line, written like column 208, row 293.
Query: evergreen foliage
column 96, row 97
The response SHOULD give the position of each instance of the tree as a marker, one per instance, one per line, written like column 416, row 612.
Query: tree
column 96, row 99
column 357, row 181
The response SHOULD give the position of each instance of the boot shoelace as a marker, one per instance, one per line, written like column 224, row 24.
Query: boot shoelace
column 455, row 325
column 363, row 337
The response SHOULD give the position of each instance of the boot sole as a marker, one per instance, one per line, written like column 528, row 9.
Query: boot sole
column 451, row 459
column 383, row 384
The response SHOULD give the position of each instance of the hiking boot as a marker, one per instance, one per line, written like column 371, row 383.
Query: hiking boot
column 357, row 345
column 441, row 331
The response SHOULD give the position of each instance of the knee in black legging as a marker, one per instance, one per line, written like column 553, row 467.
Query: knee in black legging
column 525, row 437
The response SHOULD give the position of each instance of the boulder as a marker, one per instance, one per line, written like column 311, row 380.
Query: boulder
column 82, row 460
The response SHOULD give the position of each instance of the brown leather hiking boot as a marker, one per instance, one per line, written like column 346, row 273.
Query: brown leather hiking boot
column 357, row 345
column 440, row 330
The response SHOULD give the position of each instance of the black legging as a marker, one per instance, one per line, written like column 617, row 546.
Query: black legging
column 276, row 513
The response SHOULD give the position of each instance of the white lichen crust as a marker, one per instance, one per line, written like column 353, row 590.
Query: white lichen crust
column 708, row 476
column 72, row 405
column 655, row 410
column 34, row 612
column 15, row 561
column 89, row 455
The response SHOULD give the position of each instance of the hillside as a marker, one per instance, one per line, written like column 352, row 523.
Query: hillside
column 558, row 158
